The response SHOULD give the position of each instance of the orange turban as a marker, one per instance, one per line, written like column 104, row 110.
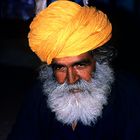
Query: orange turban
column 65, row 28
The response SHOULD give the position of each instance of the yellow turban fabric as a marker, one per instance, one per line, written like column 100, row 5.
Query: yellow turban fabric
column 65, row 28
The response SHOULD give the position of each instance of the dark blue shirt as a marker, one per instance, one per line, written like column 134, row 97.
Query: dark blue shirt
column 120, row 119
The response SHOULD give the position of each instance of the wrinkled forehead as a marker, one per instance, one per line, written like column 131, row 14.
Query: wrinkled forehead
column 70, row 60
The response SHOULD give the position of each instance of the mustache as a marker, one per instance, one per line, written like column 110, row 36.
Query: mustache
column 78, row 87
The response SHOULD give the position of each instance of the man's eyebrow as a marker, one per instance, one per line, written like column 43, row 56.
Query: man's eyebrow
column 84, row 61
column 55, row 64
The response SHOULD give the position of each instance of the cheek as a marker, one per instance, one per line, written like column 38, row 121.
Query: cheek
column 60, row 77
column 86, row 74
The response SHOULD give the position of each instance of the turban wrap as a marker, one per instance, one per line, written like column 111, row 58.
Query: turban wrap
column 65, row 28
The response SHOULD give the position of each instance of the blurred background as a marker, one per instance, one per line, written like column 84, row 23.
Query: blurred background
column 19, row 66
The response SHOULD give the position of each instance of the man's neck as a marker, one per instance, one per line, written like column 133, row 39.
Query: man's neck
column 74, row 124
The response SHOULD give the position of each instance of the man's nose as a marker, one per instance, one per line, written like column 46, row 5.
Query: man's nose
column 72, row 76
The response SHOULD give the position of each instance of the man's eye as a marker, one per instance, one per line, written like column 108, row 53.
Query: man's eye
column 59, row 68
column 81, row 65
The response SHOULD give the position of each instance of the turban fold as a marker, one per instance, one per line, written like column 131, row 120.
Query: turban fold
column 65, row 28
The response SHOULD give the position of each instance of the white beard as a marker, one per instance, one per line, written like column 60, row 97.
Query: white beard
column 85, row 106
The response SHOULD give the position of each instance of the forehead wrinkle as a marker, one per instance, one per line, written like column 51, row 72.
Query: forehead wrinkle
column 71, row 60
column 76, row 62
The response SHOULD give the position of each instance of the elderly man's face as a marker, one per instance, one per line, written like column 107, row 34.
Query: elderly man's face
column 71, row 69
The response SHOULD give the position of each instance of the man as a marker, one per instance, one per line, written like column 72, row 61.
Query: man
column 80, row 97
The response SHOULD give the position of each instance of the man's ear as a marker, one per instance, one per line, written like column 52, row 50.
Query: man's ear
column 94, row 65
column 52, row 67
column 91, row 53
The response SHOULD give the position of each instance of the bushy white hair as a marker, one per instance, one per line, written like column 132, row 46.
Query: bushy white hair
column 85, row 106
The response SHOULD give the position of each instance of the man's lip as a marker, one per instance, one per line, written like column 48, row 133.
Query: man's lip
column 75, row 90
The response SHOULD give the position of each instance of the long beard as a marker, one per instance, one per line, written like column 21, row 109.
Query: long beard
column 84, row 106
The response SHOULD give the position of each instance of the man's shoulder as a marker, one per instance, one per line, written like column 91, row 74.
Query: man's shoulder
column 34, row 95
column 124, row 105
column 126, row 90
column 36, row 89
column 127, row 80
